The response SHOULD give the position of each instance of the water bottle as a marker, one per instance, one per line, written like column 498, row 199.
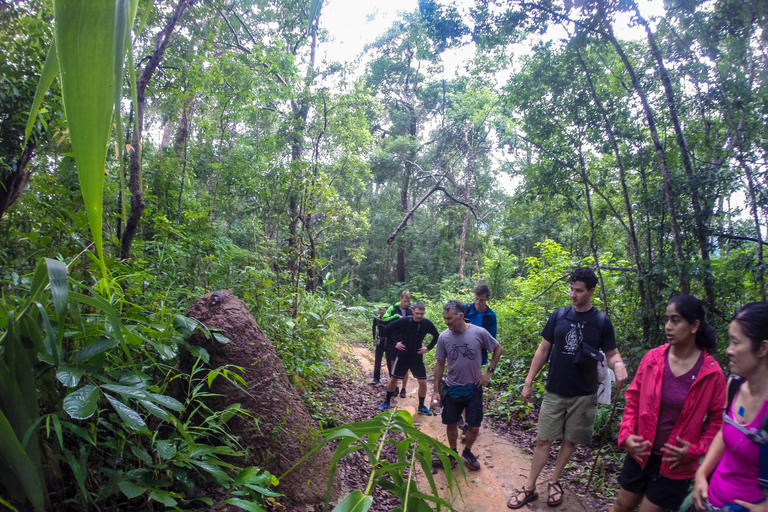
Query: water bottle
column 436, row 407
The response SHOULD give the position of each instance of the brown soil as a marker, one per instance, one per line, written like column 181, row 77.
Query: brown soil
column 500, row 448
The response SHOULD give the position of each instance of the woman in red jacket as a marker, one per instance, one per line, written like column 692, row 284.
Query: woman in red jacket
column 674, row 409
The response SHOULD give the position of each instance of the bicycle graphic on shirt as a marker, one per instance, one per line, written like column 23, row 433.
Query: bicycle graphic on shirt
column 464, row 350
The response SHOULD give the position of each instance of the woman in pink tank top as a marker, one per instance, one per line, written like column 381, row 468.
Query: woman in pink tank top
column 733, row 459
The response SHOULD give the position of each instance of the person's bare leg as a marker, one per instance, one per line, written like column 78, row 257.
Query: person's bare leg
column 647, row 506
column 422, row 388
column 392, row 384
column 563, row 456
column 540, row 456
column 452, row 432
column 404, row 382
column 626, row 501
column 472, row 433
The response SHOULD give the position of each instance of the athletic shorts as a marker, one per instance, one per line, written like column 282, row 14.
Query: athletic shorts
column 452, row 409
column 661, row 491
column 569, row 416
column 404, row 362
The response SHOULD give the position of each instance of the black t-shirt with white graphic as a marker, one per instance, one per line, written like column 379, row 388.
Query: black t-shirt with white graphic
column 566, row 377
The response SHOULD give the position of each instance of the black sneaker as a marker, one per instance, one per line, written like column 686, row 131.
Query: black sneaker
column 470, row 460
column 402, row 393
column 397, row 390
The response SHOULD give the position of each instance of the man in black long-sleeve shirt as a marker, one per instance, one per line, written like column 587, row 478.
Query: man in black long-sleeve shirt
column 408, row 335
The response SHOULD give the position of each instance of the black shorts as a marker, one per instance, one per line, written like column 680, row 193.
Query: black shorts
column 452, row 409
column 404, row 362
column 661, row 491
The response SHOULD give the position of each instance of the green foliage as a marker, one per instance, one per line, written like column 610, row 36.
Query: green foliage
column 393, row 428
column 96, row 393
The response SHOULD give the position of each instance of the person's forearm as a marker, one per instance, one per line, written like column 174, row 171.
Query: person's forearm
column 496, row 356
column 439, row 369
column 613, row 359
column 714, row 454
column 539, row 360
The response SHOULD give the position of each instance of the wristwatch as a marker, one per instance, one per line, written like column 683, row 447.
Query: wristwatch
column 491, row 369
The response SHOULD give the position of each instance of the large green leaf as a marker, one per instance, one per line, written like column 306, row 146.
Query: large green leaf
column 15, row 460
column 130, row 489
column 57, row 275
column 85, row 46
column 95, row 348
column 128, row 415
column 50, row 69
column 81, row 404
column 355, row 501
column 245, row 505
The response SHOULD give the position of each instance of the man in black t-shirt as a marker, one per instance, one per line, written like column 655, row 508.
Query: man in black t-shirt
column 574, row 336
column 407, row 335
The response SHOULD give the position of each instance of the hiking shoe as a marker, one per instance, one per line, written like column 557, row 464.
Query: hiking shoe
column 397, row 390
column 423, row 410
column 464, row 432
column 462, row 423
column 376, row 381
column 452, row 459
column 384, row 406
column 402, row 393
column 470, row 460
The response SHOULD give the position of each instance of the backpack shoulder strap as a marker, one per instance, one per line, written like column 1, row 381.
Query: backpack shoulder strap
column 733, row 386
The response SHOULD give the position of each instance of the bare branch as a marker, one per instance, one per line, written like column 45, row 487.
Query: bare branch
column 738, row 237
column 437, row 186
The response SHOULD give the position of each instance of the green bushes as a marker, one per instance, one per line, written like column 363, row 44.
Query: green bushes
column 85, row 391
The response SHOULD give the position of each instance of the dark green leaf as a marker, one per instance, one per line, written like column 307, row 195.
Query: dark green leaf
column 95, row 348
column 81, row 404
column 184, row 325
column 130, row 489
column 68, row 376
column 131, row 418
column 245, row 505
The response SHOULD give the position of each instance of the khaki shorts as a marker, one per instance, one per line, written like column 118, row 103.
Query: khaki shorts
column 572, row 417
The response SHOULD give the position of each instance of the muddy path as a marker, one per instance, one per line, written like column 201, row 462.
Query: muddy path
column 504, row 465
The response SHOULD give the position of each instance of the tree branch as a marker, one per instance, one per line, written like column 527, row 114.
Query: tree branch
column 437, row 186
column 738, row 237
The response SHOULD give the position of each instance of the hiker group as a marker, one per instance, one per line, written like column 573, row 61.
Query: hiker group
column 683, row 426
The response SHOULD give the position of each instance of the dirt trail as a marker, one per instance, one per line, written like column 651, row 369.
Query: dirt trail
column 504, row 467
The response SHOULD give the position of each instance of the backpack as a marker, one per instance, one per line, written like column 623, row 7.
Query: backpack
column 486, row 318
column 760, row 437
column 599, row 325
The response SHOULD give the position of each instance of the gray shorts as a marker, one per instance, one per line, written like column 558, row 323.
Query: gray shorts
column 569, row 416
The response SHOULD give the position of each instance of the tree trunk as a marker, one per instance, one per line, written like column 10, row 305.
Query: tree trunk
column 471, row 164
column 181, row 141
column 592, row 242
column 701, row 230
column 15, row 182
column 162, row 42
column 660, row 153
column 759, row 274
column 647, row 302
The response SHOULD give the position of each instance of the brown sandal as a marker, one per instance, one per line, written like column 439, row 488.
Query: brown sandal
column 528, row 496
column 558, row 489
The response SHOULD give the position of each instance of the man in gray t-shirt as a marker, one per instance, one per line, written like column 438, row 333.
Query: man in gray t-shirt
column 461, row 346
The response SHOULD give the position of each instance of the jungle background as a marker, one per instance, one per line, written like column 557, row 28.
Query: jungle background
column 238, row 159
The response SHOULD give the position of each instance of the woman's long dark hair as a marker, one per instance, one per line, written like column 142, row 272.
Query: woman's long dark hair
column 753, row 319
column 692, row 309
